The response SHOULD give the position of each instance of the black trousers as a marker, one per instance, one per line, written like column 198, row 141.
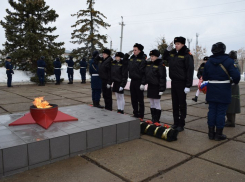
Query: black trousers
column 9, row 80
column 70, row 77
column 107, row 95
column 137, row 98
column 179, row 102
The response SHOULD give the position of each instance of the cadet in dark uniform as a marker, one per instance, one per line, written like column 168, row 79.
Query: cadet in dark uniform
column 136, row 68
column 199, row 75
column 155, row 74
column 9, row 71
column 104, row 66
column 220, row 72
column 40, row 70
column 70, row 64
column 83, row 69
column 57, row 70
column 96, row 84
column 181, row 70
column 119, row 77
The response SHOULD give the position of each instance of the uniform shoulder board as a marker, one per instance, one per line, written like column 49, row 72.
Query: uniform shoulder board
column 190, row 53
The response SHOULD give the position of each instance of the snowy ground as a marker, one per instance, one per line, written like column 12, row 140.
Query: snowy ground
column 24, row 77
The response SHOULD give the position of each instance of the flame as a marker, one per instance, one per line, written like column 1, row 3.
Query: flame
column 39, row 102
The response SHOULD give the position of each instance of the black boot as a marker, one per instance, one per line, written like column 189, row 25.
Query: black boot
column 230, row 122
column 98, row 104
column 153, row 114
column 118, row 111
column 195, row 98
column 157, row 115
column 211, row 133
column 122, row 111
column 219, row 134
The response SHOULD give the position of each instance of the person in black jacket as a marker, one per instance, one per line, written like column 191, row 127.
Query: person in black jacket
column 136, row 69
column 40, row 70
column 155, row 74
column 104, row 66
column 181, row 69
column 83, row 69
column 199, row 76
column 119, row 77
column 9, row 71
column 70, row 64
column 57, row 71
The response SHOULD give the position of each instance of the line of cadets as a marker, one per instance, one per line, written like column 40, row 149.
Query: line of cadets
column 105, row 71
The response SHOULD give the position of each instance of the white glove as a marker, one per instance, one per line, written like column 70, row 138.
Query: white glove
column 187, row 90
column 142, row 87
column 160, row 93
column 171, row 46
column 108, row 86
column 120, row 89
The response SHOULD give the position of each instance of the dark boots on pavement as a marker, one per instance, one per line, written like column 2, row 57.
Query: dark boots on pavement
column 195, row 98
column 219, row 134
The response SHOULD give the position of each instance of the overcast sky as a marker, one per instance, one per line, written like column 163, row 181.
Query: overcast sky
column 147, row 20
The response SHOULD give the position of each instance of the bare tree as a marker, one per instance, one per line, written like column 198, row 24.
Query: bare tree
column 198, row 55
column 241, row 58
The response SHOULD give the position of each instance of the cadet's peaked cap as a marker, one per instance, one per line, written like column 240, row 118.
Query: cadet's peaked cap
column 8, row 57
column 119, row 54
column 42, row 57
column 107, row 51
column 155, row 53
column 179, row 39
column 139, row 46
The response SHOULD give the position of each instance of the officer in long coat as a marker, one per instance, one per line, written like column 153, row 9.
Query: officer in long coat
column 40, row 70
column 70, row 71
column 234, row 106
column 9, row 71
column 83, row 69
column 220, row 72
column 57, row 70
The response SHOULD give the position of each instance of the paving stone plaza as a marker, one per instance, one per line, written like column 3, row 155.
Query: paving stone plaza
column 134, row 157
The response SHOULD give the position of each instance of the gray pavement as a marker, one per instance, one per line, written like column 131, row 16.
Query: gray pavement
column 193, row 157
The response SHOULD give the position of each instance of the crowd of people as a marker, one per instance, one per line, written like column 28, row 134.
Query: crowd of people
column 219, row 72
